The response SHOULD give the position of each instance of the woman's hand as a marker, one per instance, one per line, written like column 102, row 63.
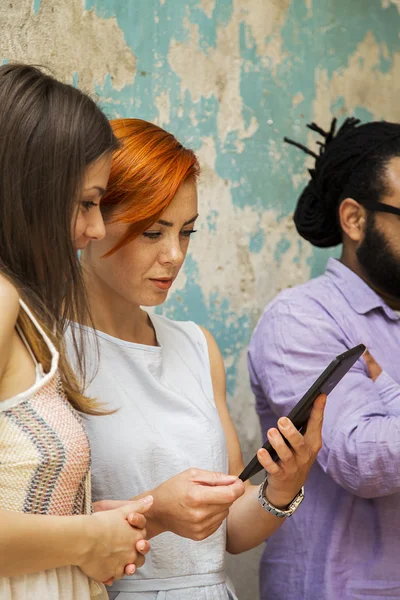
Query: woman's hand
column 374, row 370
column 135, row 520
column 287, row 476
column 193, row 504
column 114, row 541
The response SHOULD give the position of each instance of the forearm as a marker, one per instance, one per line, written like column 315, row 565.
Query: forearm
column 33, row 543
column 365, row 460
column 389, row 393
column 248, row 524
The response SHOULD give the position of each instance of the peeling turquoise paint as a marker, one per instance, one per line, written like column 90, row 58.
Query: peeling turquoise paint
column 256, row 241
column 211, row 221
column 281, row 247
column 36, row 5
column 257, row 168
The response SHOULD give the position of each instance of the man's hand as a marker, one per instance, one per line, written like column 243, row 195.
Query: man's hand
column 374, row 370
column 287, row 476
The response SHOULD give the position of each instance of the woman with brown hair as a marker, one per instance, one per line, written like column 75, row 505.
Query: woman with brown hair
column 166, row 381
column 55, row 158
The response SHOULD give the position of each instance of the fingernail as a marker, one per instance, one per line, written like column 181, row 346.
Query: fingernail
column 148, row 499
column 284, row 422
column 132, row 570
column 142, row 545
column 272, row 432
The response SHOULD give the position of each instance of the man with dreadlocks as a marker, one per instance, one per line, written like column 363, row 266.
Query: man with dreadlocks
column 344, row 542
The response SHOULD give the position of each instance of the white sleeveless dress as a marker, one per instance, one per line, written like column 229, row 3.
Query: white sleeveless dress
column 45, row 470
column 166, row 422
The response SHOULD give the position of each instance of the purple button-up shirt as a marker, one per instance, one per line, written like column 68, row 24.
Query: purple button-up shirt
column 344, row 540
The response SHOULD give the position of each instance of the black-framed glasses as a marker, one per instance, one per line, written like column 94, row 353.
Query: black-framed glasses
column 380, row 207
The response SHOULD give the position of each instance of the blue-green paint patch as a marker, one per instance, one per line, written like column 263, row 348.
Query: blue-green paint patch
column 296, row 258
column 281, row 247
column 256, row 241
column 36, row 6
column 212, row 221
column 248, row 48
column 206, row 29
column 364, row 114
column 319, row 259
column 338, row 109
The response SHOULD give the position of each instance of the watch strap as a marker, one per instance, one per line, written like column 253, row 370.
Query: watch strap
column 278, row 512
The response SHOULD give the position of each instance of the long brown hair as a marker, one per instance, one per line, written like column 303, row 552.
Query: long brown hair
column 49, row 133
column 146, row 173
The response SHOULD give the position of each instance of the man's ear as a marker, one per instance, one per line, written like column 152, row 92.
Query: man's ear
column 352, row 218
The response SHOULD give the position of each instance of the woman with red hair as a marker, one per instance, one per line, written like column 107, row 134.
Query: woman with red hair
column 170, row 431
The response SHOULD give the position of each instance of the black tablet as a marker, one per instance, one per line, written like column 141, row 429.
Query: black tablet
column 300, row 413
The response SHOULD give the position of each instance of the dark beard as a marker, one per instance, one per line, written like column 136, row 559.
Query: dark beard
column 378, row 260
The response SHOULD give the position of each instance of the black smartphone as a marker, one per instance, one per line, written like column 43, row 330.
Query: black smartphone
column 299, row 415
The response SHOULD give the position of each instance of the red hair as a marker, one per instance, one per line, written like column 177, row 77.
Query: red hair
column 146, row 173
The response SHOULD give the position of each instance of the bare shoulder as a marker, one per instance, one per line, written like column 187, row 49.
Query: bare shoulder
column 209, row 337
column 9, row 309
column 213, row 350
column 8, row 292
column 9, row 299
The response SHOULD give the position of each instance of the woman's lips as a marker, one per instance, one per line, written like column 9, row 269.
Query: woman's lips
column 162, row 284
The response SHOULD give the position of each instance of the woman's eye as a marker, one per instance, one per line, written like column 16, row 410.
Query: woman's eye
column 188, row 232
column 153, row 235
column 88, row 204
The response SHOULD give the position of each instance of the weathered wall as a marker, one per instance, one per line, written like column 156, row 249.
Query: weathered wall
column 229, row 78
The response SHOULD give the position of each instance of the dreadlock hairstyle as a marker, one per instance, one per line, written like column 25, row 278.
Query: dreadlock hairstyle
column 351, row 163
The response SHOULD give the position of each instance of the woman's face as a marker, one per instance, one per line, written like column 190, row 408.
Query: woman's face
column 143, row 271
column 88, row 222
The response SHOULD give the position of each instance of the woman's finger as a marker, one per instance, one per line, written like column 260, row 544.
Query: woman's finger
column 119, row 574
column 130, row 569
column 143, row 547
column 108, row 505
column 216, row 521
column 139, row 561
column 137, row 520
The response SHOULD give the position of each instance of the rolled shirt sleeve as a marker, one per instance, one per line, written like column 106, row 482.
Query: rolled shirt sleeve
column 291, row 346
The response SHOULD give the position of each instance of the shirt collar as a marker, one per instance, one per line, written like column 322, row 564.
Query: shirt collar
column 357, row 292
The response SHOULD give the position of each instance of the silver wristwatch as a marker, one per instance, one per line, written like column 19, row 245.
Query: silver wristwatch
column 294, row 505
